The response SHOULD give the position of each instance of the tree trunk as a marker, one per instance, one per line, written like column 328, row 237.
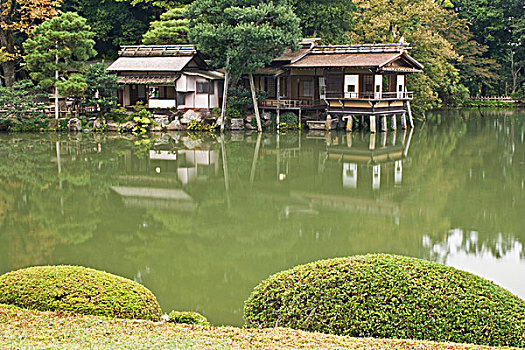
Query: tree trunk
column 8, row 67
column 225, row 94
column 514, row 70
column 255, row 105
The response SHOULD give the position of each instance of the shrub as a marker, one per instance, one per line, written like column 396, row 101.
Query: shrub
column 388, row 296
column 188, row 318
column 196, row 125
column 80, row 290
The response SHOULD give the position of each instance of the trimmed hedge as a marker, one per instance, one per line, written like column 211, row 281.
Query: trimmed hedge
column 388, row 296
column 188, row 317
column 80, row 290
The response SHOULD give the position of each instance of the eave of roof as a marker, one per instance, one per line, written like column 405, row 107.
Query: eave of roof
column 211, row 75
column 148, row 79
column 150, row 64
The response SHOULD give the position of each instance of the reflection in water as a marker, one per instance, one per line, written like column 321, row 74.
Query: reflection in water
column 201, row 219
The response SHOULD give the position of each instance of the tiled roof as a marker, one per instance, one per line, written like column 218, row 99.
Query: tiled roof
column 157, row 50
column 344, row 60
column 150, row 64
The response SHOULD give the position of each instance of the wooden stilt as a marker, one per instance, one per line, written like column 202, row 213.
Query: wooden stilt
column 300, row 117
column 383, row 123
column 349, row 139
column 362, row 122
column 278, row 119
column 383, row 139
column 410, row 118
column 328, row 122
column 393, row 136
column 393, row 122
column 349, row 123
column 372, row 144
column 403, row 121
column 373, row 125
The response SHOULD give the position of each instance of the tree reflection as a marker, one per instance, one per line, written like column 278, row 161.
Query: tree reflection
column 201, row 220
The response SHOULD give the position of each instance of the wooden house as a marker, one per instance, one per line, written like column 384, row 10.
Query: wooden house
column 341, row 81
column 166, row 76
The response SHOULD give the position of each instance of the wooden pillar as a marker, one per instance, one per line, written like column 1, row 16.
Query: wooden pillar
column 410, row 118
column 403, row 121
column 349, row 139
column 372, row 144
column 278, row 97
column 373, row 125
column 383, row 123
column 383, row 139
column 393, row 136
column 328, row 123
column 393, row 122
column 349, row 123
column 362, row 123
column 300, row 117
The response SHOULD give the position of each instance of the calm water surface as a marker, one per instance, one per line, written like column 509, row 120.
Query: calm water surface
column 201, row 220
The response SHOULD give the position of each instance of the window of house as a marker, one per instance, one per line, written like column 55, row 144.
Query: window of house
column 205, row 87
column 307, row 88
column 141, row 91
column 181, row 98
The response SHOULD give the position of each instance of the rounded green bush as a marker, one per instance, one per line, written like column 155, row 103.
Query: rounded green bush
column 388, row 296
column 80, row 290
column 188, row 317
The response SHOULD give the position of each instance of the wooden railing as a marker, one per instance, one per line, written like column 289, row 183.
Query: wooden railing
column 287, row 103
column 494, row 98
column 405, row 95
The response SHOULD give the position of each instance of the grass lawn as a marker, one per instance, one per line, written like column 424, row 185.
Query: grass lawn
column 21, row 328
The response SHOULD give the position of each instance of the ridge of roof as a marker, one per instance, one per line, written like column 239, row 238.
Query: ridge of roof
column 360, row 48
column 157, row 50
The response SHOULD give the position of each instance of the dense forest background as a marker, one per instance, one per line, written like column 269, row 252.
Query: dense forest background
column 468, row 47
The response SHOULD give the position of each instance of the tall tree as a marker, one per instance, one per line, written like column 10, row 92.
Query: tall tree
column 114, row 22
column 171, row 28
column 242, row 35
column 101, row 87
column 329, row 20
column 17, row 19
column 421, row 23
column 493, row 24
column 57, row 47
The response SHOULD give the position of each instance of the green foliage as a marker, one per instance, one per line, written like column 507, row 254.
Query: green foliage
column 242, row 35
column 196, row 125
column 80, row 290
column 118, row 115
column 326, row 19
column 67, row 37
column 74, row 86
column 188, row 318
column 388, row 296
column 114, row 23
column 240, row 100
column 289, row 121
column 20, row 108
column 102, row 88
column 422, row 23
column 142, row 119
column 171, row 28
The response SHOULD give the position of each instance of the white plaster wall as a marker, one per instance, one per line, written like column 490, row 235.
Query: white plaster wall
column 181, row 83
column 154, row 103
column 126, row 95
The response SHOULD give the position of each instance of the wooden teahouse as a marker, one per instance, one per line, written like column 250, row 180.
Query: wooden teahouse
column 340, row 82
column 166, row 77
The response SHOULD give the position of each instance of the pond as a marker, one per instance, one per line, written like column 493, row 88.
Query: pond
column 202, row 219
